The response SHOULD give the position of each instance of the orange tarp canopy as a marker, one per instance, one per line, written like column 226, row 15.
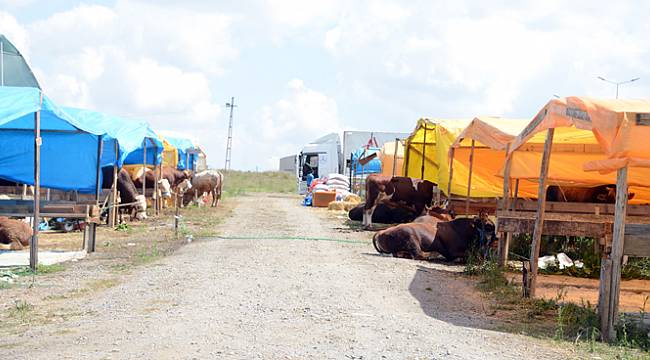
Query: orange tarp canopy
column 390, row 159
column 592, row 139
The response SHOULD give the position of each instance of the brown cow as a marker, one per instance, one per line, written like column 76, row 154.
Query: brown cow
column 208, row 181
column 173, row 176
column 427, row 235
column 411, row 192
column 603, row 194
column 14, row 234
column 128, row 193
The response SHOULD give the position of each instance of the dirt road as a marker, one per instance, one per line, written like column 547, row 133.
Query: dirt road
column 242, row 297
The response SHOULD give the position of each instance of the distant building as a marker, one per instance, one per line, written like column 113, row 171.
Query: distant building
column 288, row 164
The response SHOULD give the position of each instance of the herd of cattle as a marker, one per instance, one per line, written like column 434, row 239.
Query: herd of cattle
column 425, row 231
column 187, row 187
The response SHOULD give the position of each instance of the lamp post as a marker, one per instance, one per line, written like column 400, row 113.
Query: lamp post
column 617, row 83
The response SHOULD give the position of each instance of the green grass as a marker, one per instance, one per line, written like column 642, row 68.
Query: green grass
column 21, row 310
column 242, row 182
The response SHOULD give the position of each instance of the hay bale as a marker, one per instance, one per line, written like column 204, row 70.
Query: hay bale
column 353, row 198
column 336, row 206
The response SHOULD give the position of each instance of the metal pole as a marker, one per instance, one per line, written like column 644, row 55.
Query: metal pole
column 229, row 142
column 33, row 248
column 617, row 90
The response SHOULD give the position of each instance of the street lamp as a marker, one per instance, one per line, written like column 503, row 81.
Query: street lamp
column 617, row 83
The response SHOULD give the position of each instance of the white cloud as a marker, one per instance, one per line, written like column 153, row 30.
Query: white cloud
column 283, row 127
column 15, row 32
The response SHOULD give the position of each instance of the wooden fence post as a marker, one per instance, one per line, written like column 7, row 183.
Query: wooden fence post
column 33, row 246
column 541, row 210
column 469, row 178
column 616, row 256
column 504, row 241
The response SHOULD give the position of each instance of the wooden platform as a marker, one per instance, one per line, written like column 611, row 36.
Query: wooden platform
column 89, row 212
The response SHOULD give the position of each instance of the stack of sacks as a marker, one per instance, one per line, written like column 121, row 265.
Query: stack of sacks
column 338, row 182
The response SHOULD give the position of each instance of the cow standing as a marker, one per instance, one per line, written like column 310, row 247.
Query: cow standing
column 137, row 208
column 411, row 192
column 208, row 181
column 603, row 194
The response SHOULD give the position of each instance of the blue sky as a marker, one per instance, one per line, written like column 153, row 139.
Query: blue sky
column 301, row 69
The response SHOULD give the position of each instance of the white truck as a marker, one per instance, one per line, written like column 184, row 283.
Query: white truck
column 322, row 156
column 325, row 155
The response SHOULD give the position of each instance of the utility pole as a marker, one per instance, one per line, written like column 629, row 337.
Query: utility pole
column 617, row 83
column 232, row 106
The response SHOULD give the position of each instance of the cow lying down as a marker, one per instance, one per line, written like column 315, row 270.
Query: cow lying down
column 14, row 234
column 427, row 235
column 395, row 213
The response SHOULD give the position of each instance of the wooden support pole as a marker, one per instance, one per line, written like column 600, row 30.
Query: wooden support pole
column 515, row 197
column 469, row 177
column 616, row 256
column 144, row 168
column 452, row 151
column 395, row 156
column 504, row 239
column 541, row 210
column 424, row 149
column 98, row 188
column 113, row 212
column 33, row 246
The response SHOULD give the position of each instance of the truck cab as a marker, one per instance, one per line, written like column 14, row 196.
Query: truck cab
column 321, row 157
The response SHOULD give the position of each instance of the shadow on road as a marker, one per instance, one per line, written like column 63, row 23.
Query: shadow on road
column 445, row 294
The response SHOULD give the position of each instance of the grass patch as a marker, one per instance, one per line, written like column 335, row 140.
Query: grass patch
column 148, row 254
column 242, row 182
column 557, row 319
column 21, row 310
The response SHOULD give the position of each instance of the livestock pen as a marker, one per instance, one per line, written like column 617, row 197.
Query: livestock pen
column 584, row 142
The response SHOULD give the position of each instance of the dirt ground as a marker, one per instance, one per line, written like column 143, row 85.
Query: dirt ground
column 277, row 281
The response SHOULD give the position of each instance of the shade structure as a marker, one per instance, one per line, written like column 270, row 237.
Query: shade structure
column 154, row 151
column 185, row 149
column 14, row 70
column 365, row 161
column 170, row 153
column 426, row 152
column 593, row 137
column 69, row 150
column 491, row 136
column 391, row 156
column 129, row 134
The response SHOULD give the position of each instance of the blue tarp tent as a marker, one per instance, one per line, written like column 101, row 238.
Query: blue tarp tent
column 154, row 151
column 129, row 134
column 372, row 167
column 69, row 150
column 185, row 149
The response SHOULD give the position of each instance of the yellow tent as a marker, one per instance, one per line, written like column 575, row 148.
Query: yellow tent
column 491, row 136
column 592, row 139
column 391, row 160
column 170, row 153
column 426, row 153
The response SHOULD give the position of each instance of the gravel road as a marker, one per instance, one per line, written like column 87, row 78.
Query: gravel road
column 281, row 297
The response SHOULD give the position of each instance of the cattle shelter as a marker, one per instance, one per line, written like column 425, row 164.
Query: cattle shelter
column 586, row 142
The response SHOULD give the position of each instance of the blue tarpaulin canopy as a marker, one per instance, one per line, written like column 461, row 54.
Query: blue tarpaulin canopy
column 360, row 166
column 129, row 134
column 154, row 151
column 183, row 146
column 69, row 148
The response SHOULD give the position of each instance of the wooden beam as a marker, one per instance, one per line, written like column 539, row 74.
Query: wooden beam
column 505, row 238
column 541, row 209
column 618, row 243
column 113, row 212
column 144, row 167
column 604, row 290
column 33, row 247
column 395, row 156
column 637, row 240
column 452, row 151
column 469, row 177
column 424, row 149
column 515, row 197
